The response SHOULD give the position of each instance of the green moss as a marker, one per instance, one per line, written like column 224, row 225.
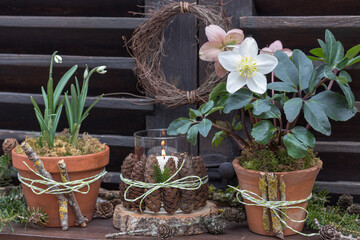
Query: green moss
column 267, row 160
column 62, row 147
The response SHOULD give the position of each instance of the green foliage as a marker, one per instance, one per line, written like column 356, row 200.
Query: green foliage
column 330, row 215
column 228, row 196
column 5, row 170
column 161, row 176
column 238, row 100
column 75, row 109
column 263, row 131
column 13, row 209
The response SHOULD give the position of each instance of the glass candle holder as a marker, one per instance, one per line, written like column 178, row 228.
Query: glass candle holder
column 160, row 144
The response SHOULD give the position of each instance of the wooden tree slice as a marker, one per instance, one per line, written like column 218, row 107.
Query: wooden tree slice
column 126, row 220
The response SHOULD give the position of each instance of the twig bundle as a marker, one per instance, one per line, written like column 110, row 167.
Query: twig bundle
column 147, row 45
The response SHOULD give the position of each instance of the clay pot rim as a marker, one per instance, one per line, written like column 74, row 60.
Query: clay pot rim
column 314, row 168
column 62, row 157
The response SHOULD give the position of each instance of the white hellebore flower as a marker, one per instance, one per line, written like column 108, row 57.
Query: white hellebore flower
column 246, row 67
column 101, row 69
column 58, row 59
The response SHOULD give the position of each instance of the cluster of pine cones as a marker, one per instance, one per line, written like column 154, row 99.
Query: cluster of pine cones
column 171, row 199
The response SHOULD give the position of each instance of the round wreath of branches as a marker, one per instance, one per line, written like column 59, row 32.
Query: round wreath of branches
column 147, row 44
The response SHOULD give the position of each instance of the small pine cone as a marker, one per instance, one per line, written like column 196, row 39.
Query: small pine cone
column 153, row 201
column 165, row 231
column 215, row 225
column 354, row 209
column 8, row 145
column 187, row 197
column 116, row 202
column 202, row 193
column 328, row 232
column 171, row 196
column 126, row 170
column 134, row 192
column 234, row 214
column 104, row 210
column 345, row 201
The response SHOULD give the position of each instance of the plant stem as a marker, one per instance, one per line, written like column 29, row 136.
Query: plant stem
column 238, row 140
column 244, row 125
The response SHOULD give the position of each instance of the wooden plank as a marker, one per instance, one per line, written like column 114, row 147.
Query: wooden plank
column 339, row 146
column 97, row 229
column 341, row 187
column 290, row 22
column 70, row 22
column 111, row 140
column 105, row 102
column 68, row 61
column 246, row 8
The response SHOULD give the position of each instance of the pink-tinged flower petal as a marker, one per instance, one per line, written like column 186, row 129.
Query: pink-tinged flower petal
column 257, row 83
column 210, row 50
column 266, row 50
column 234, row 82
column 248, row 48
column 229, row 60
column 265, row 63
column 215, row 33
column 277, row 45
column 233, row 37
column 220, row 70
column 287, row 52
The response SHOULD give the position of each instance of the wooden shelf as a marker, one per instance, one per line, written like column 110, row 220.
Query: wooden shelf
column 340, row 187
column 98, row 228
column 68, row 61
column 290, row 22
column 105, row 102
column 70, row 22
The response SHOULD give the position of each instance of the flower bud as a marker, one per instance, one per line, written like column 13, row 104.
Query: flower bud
column 86, row 73
column 101, row 69
column 58, row 59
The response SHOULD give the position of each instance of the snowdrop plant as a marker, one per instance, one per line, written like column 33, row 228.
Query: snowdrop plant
column 302, row 90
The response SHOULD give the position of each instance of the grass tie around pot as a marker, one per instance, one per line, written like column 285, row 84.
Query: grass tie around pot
column 276, row 207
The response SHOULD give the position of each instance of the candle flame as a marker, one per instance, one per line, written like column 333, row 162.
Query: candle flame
column 162, row 143
column 163, row 153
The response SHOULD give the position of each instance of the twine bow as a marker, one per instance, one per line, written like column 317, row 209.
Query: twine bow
column 185, row 183
column 63, row 187
column 275, row 206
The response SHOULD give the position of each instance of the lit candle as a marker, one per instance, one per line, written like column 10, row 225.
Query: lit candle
column 162, row 160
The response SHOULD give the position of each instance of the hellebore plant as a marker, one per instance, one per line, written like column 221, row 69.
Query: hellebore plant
column 302, row 90
column 49, row 120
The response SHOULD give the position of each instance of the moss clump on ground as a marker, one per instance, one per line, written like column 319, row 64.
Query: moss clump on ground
column 62, row 147
column 267, row 160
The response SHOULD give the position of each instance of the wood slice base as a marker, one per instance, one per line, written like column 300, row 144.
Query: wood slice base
column 126, row 220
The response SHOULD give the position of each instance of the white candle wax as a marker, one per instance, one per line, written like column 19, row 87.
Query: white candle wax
column 162, row 160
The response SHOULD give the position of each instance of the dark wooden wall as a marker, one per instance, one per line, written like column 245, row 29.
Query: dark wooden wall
column 91, row 32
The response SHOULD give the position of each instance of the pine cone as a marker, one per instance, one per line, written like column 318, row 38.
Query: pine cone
column 215, row 225
column 328, row 232
column 134, row 192
column 202, row 193
column 171, row 196
column 104, row 210
column 8, row 145
column 345, row 201
column 126, row 170
column 153, row 201
column 187, row 197
column 354, row 209
column 165, row 231
column 234, row 214
column 115, row 202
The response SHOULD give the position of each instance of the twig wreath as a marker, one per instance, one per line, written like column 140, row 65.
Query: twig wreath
column 147, row 45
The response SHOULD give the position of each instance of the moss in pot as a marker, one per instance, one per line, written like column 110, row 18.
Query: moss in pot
column 276, row 143
column 84, row 157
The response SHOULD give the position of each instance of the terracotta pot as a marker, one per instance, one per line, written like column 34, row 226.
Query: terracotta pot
column 78, row 167
column 299, row 185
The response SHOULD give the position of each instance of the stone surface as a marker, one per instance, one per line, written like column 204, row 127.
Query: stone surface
column 126, row 220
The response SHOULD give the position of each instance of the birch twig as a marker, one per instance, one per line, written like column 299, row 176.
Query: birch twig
column 80, row 219
column 264, row 194
column 39, row 167
column 283, row 198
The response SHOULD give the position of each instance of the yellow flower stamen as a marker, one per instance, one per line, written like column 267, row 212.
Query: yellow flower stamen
column 246, row 67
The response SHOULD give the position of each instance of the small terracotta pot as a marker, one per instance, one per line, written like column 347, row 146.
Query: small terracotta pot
column 78, row 167
column 299, row 185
